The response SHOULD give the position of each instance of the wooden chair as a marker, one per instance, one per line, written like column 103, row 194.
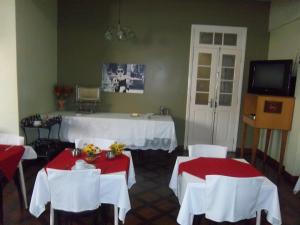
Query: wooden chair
column 232, row 199
column 204, row 150
column 74, row 191
column 99, row 142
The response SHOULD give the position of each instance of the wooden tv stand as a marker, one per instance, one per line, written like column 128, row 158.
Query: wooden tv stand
column 267, row 112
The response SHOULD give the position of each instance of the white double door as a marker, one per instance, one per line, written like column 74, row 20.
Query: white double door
column 214, row 94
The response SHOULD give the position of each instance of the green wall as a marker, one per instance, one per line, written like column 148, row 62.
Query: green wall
column 36, row 26
column 285, row 44
column 163, row 31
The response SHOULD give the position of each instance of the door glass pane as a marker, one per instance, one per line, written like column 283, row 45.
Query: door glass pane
column 228, row 60
column 226, row 87
column 202, row 85
column 225, row 100
column 227, row 73
column 218, row 39
column 230, row 39
column 203, row 72
column 201, row 99
column 204, row 59
column 206, row 38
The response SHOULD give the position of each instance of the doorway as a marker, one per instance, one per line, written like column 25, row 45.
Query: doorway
column 214, row 86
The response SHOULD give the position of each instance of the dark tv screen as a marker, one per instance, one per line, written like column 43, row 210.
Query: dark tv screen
column 271, row 77
column 268, row 75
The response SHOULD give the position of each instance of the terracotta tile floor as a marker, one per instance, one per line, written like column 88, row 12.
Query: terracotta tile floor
column 153, row 203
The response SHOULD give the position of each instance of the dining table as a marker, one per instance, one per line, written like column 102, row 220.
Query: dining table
column 117, row 176
column 10, row 156
column 188, row 184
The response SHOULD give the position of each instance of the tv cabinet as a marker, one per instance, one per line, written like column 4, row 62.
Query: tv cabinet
column 270, row 113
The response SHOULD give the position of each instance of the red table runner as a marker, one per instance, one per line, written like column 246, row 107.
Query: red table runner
column 201, row 167
column 66, row 161
column 10, row 156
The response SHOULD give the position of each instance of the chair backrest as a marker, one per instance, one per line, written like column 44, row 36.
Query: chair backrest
column 11, row 139
column 203, row 150
column 99, row 142
column 231, row 198
column 74, row 190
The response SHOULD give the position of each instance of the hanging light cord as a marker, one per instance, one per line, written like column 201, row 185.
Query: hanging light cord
column 119, row 2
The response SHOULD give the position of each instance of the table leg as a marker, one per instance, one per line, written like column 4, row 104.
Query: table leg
column 284, row 135
column 254, row 144
column 268, row 134
column 243, row 139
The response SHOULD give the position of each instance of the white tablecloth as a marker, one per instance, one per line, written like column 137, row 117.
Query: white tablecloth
column 190, row 192
column 113, row 190
column 142, row 132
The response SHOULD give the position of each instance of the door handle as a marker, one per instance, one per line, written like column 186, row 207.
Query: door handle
column 211, row 103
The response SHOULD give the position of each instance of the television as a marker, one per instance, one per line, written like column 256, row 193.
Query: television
column 271, row 77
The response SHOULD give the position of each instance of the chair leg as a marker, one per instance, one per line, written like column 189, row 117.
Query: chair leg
column 1, row 198
column 51, row 215
column 116, row 215
column 18, row 186
column 23, row 187
column 258, row 217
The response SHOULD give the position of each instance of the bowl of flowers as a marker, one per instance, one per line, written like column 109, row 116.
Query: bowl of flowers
column 90, row 151
column 116, row 149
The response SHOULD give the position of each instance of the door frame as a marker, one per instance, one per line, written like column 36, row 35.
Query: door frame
column 242, row 38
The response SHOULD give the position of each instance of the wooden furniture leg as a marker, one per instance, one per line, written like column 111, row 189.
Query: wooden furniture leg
column 254, row 144
column 2, row 183
column 268, row 134
column 245, row 126
column 284, row 134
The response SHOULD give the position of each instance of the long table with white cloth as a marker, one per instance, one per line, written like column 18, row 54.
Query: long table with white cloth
column 142, row 132
column 190, row 191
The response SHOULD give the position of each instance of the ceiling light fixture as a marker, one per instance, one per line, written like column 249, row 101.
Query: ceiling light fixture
column 118, row 32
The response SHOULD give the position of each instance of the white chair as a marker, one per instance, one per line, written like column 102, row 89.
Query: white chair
column 231, row 198
column 297, row 186
column 204, row 150
column 73, row 190
column 99, row 142
column 12, row 139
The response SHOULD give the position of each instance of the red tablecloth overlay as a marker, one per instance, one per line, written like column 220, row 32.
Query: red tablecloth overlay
column 65, row 161
column 201, row 167
column 10, row 156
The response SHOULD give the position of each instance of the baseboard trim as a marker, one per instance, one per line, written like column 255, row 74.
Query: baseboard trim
column 272, row 163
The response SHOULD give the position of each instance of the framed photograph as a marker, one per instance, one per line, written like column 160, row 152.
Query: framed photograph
column 123, row 78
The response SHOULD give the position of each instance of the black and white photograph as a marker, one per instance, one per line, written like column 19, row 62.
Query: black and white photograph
column 123, row 78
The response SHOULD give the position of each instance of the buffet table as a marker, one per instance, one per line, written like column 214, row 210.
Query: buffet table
column 142, row 132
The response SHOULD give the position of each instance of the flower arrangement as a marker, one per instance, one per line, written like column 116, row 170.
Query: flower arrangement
column 91, row 150
column 62, row 91
column 117, row 148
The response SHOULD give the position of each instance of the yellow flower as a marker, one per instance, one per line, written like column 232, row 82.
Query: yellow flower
column 117, row 148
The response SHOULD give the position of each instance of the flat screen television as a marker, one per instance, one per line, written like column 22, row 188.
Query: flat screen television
column 271, row 77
